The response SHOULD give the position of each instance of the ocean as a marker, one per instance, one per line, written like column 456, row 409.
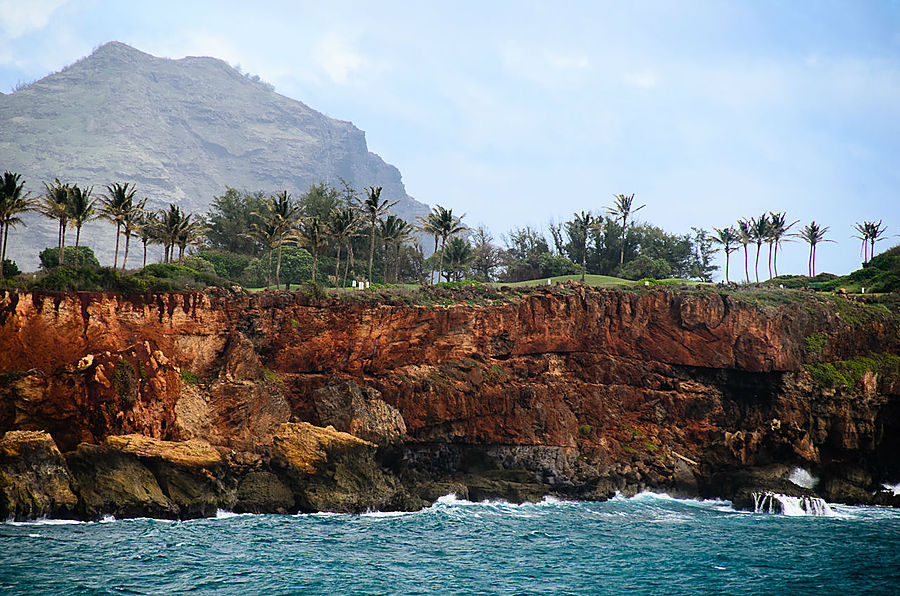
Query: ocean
column 648, row 544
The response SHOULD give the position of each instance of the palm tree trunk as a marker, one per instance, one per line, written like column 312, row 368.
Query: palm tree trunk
column 269, row 270
column 145, row 256
column 441, row 266
column 59, row 243
column 180, row 254
column 746, row 270
column 337, row 265
column 770, row 260
column 349, row 262
column 432, row 254
column 4, row 241
column 77, row 240
column 726, row 266
column 278, row 270
column 809, row 261
column 62, row 248
column 622, row 254
column 116, row 255
column 756, row 266
column 872, row 252
column 125, row 256
column 813, row 261
column 775, row 260
column 397, row 264
column 315, row 262
column 372, row 250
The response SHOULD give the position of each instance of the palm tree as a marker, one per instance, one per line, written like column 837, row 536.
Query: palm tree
column 729, row 239
column 268, row 234
column 81, row 211
column 13, row 202
column 579, row 228
column 448, row 224
column 190, row 232
column 309, row 233
column 459, row 255
column 284, row 212
column 870, row 232
column 394, row 232
column 168, row 230
column 341, row 224
column 744, row 237
column 812, row 235
column 115, row 206
column 431, row 226
column 147, row 231
column 55, row 205
column 131, row 221
column 778, row 233
column 374, row 208
column 759, row 233
column 622, row 208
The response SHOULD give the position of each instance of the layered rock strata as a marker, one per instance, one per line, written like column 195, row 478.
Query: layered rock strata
column 571, row 391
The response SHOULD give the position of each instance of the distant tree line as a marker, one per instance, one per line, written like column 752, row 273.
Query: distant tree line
column 339, row 236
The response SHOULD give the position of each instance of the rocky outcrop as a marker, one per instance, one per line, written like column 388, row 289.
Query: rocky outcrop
column 34, row 479
column 569, row 391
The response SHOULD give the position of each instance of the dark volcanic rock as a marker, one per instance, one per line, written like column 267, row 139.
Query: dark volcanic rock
column 34, row 479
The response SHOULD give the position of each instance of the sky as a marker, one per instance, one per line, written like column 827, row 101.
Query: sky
column 516, row 113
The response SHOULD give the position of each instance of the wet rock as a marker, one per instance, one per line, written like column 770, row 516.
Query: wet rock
column 330, row 470
column 34, row 479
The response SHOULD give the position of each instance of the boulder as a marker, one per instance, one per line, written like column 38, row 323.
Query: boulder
column 359, row 411
column 34, row 479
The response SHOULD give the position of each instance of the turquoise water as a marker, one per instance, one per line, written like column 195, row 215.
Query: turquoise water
column 649, row 544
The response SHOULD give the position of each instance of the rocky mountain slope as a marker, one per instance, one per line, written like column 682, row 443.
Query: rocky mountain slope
column 182, row 130
column 176, row 404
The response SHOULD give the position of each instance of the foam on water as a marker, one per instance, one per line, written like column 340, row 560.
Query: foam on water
column 893, row 488
column 802, row 477
column 770, row 502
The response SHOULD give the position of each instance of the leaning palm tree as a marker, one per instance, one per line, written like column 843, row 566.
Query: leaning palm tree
column 13, row 202
column 863, row 234
column 759, row 233
column 131, row 221
column 190, row 233
column 170, row 223
column 623, row 208
column 114, row 207
column 341, row 224
column 778, row 233
column 81, row 211
column 374, row 208
column 449, row 225
column 309, row 233
column 431, row 226
column 55, row 205
column 812, row 234
column 729, row 239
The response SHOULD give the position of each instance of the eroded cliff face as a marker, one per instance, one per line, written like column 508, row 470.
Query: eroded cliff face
column 573, row 391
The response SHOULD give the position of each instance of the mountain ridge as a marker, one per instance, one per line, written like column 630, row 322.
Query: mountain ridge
column 183, row 130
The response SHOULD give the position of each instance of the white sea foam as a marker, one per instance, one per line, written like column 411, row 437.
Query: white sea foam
column 770, row 502
column 801, row 477
column 108, row 519
column 46, row 522
column 894, row 488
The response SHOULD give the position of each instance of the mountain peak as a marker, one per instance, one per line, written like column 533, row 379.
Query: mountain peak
column 182, row 130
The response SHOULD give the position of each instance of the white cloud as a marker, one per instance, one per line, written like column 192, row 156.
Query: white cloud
column 19, row 18
column 336, row 56
column 644, row 80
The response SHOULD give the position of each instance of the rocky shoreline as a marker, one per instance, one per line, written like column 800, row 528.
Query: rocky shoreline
column 178, row 405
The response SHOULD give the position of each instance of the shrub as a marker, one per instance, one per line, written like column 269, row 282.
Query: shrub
column 88, row 279
column 49, row 257
column 10, row 269
column 229, row 265
column 198, row 264
column 644, row 266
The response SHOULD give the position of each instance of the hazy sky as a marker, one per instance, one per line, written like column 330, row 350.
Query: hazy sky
column 517, row 112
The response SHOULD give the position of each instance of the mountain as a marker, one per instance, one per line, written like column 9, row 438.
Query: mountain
column 182, row 130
